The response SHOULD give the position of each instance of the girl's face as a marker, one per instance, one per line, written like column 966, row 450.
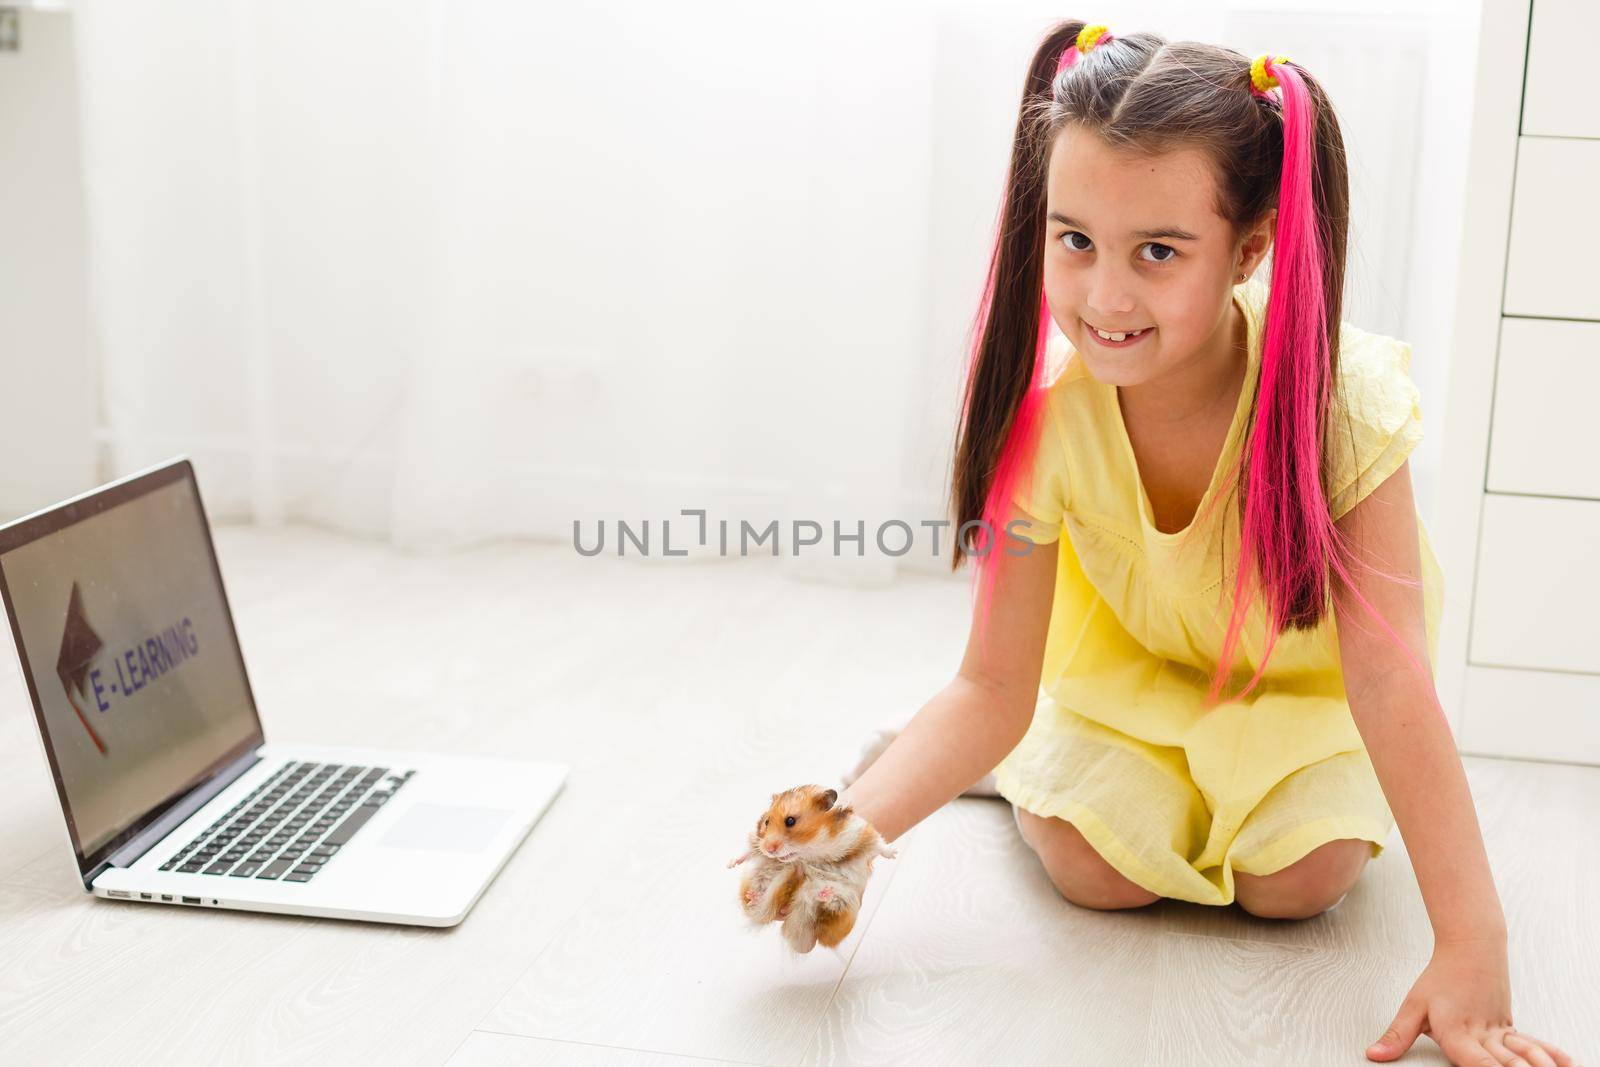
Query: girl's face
column 1134, row 243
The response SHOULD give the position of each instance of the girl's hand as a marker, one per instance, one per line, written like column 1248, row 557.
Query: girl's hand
column 1463, row 1001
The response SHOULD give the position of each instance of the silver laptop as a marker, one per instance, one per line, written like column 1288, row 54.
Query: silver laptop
column 171, row 792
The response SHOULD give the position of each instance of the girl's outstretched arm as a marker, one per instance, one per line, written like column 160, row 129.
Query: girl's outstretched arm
column 1463, row 998
column 975, row 721
column 1402, row 723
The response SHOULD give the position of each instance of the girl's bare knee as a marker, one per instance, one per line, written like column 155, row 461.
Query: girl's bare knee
column 1307, row 888
column 1077, row 871
column 1087, row 894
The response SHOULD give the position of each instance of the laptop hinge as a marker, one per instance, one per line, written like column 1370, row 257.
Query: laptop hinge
column 129, row 854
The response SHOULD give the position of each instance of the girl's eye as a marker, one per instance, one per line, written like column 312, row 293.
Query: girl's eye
column 1071, row 245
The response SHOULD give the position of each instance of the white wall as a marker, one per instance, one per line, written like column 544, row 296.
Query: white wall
column 49, row 403
column 1438, row 222
column 452, row 271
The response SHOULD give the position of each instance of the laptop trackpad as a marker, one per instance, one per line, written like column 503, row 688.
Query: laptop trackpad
column 445, row 828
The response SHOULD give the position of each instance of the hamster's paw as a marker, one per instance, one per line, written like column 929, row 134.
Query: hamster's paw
column 825, row 894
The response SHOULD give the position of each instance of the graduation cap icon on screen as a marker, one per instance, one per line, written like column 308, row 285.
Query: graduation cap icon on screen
column 79, row 646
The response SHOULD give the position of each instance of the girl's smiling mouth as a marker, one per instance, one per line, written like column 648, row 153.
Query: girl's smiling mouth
column 1117, row 340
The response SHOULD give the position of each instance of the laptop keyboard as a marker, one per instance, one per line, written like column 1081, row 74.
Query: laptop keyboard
column 291, row 825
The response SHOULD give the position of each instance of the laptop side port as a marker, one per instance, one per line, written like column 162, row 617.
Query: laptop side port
column 146, row 896
column 167, row 897
column 122, row 893
column 191, row 900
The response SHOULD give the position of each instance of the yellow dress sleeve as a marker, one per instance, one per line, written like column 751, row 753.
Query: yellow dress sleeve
column 1376, row 417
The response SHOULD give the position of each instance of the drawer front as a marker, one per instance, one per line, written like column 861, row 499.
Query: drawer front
column 1558, row 94
column 1538, row 584
column 1550, row 267
column 1545, row 437
column 1531, row 714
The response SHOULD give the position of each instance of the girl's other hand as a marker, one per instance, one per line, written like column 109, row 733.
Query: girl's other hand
column 1463, row 1001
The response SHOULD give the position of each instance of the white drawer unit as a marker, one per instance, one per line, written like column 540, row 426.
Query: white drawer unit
column 1518, row 510
column 1546, row 436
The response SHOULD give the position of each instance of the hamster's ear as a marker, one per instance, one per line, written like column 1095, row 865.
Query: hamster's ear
column 828, row 798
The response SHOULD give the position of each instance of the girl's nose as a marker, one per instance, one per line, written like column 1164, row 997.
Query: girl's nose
column 1109, row 297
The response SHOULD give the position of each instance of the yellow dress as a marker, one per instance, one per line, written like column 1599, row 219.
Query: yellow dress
column 1176, row 799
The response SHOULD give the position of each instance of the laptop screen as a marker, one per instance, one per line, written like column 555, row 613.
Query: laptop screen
column 128, row 648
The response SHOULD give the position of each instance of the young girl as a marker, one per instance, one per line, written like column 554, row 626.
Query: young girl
column 1205, row 486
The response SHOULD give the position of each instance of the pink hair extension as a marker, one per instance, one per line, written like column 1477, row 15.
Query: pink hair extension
column 1288, row 528
column 1016, row 460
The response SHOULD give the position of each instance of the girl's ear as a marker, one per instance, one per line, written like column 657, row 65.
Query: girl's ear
column 1257, row 242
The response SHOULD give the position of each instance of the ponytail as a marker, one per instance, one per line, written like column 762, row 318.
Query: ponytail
column 1289, row 541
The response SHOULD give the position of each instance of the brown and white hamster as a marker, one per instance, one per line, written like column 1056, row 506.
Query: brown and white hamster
column 813, row 860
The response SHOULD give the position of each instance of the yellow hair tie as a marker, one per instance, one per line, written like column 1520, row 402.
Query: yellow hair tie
column 1088, row 37
column 1258, row 72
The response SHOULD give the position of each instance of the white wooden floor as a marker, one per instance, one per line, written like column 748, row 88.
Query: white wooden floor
column 682, row 694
